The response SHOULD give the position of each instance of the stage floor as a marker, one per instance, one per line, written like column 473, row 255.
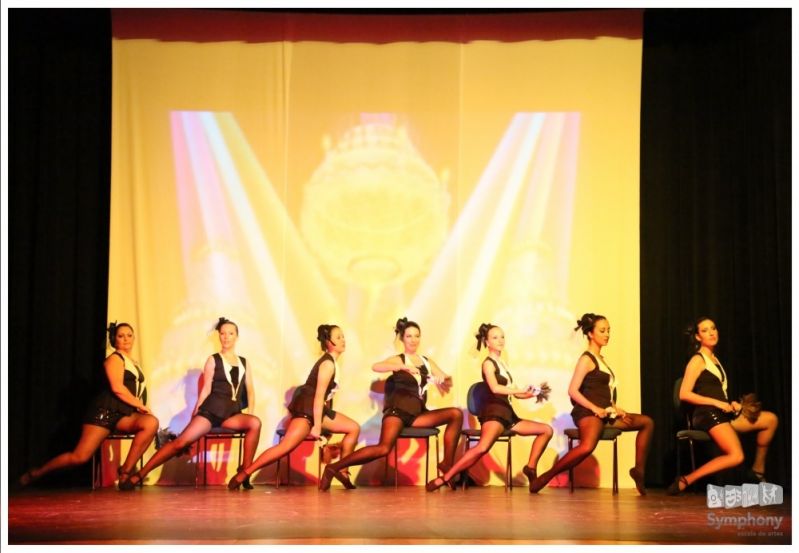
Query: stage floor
column 410, row 515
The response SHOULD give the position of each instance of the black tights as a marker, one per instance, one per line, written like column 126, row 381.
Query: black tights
column 391, row 428
column 591, row 430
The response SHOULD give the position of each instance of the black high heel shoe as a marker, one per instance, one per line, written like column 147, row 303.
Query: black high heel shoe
column 122, row 475
column 236, row 482
column 329, row 474
column 439, row 481
column 246, row 482
column 638, row 478
column 674, row 487
column 127, row 484
column 344, row 478
column 531, row 475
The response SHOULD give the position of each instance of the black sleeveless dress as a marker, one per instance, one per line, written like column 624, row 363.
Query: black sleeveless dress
column 705, row 417
column 402, row 395
column 106, row 409
column 596, row 389
column 220, row 404
column 496, row 407
column 302, row 402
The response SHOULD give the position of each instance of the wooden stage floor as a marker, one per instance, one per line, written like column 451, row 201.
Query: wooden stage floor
column 380, row 515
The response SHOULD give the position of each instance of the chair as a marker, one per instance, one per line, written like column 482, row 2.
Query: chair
column 474, row 404
column 281, row 432
column 216, row 433
column 410, row 432
column 97, row 467
column 690, row 435
column 608, row 434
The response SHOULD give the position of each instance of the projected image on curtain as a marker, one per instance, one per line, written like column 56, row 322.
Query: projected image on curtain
column 373, row 220
column 285, row 184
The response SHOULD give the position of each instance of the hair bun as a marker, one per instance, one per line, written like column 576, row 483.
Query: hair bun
column 482, row 334
column 224, row 321
column 111, row 330
column 400, row 326
column 587, row 322
column 323, row 333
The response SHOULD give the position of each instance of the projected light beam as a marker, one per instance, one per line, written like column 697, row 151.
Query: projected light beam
column 531, row 158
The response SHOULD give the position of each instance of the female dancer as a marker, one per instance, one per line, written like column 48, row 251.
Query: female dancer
column 310, row 409
column 406, row 397
column 218, row 404
column 705, row 386
column 121, row 406
column 496, row 414
column 593, row 394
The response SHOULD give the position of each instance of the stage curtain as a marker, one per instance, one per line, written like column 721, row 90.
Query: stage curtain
column 715, row 210
column 58, row 190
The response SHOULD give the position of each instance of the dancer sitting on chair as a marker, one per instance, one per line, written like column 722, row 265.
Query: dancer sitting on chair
column 496, row 413
column 218, row 403
column 120, row 407
column 310, row 409
column 406, row 398
column 593, row 394
column 704, row 385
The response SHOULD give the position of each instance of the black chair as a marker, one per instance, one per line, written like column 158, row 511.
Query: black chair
column 608, row 434
column 216, row 433
column 281, row 432
column 97, row 461
column 474, row 402
column 689, row 434
column 412, row 433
